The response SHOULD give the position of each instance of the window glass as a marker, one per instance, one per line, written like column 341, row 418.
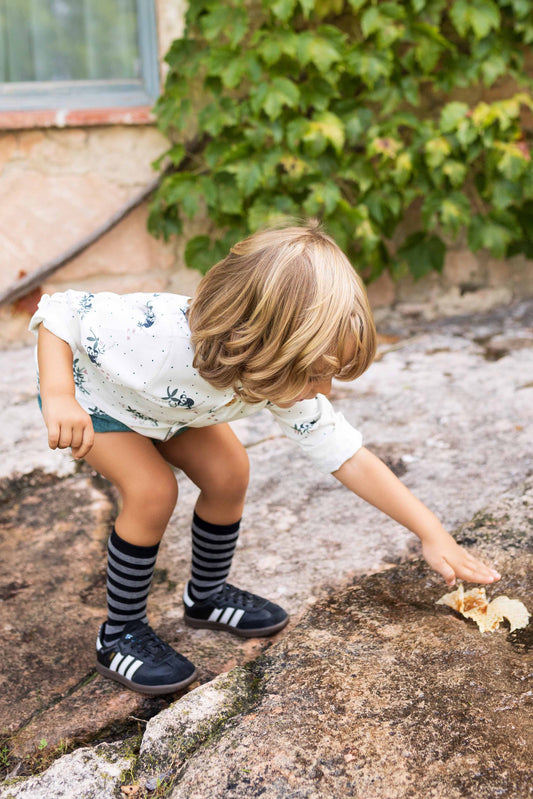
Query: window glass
column 46, row 46
column 58, row 40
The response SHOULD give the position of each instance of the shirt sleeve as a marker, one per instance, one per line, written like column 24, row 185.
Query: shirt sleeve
column 60, row 315
column 320, row 431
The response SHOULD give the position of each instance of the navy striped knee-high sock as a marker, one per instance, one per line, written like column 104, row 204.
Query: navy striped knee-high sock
column 130, row 569
column 213, row 546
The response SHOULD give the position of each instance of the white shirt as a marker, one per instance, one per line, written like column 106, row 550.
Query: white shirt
column 133, row 361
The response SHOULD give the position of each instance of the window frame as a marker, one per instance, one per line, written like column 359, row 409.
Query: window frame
column 86, row 94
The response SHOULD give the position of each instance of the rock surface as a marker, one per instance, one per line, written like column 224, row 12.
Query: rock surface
column 450, row 408
column 379, row 693
column 83, row 774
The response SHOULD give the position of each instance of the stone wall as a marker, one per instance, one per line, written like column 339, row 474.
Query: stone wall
column 470, row 283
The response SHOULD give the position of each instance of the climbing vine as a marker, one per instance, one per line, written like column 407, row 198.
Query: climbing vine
column 356, row 112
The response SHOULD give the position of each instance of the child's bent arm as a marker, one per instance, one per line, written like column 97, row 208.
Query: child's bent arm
column 368, row 477
column 67, row 423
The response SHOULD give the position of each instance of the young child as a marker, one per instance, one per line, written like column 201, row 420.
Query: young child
column 140, row 383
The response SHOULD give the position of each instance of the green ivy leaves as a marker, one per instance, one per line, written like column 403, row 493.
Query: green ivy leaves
column 272, row 97
column 478, row 16
column 424, row 253
column 341, row 109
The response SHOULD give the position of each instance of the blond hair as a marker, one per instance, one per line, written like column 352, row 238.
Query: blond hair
column 283, row 306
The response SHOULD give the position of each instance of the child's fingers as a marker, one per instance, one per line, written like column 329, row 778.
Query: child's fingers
column 447, row 572
column 54, row 433
column 476, row 572
column 481, row 574
column 65, row 436
column 86, row 442
column 484, row 574
column 77, row 438
column 453, row 563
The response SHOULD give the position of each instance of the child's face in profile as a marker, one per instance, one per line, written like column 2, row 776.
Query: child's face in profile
column 319, row 381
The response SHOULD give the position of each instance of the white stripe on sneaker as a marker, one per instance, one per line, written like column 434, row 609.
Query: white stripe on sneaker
column 115, row 663
column 226, row 616
column 215, row 614
column 186, row 597
column 132, row 669
column 237, row 616
column 125, row 663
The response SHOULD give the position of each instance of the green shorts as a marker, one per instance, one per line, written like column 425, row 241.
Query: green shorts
column 102, row 423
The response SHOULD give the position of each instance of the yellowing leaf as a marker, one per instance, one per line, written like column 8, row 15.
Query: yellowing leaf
column 455, row 212
column 483, row 115
column 514, row 159
column 452, row 115
column 437, row 150
column 386, row 146
column 330, row 127
column 455, row 171
column 323, row 8
column 404, row 162
column 314, row 49
column 294, row 167
column 502, row 111
column 403, row 168
column 365, row 231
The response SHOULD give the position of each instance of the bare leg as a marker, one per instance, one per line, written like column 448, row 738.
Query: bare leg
column 128, row 650
column 216, row 461
column 146, row 484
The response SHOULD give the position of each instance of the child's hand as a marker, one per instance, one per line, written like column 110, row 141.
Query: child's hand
column 68, row 425
column 369, row 478
column 450, row 560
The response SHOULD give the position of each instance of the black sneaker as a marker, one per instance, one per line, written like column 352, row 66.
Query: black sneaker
column 236, row 611
column 143, row 662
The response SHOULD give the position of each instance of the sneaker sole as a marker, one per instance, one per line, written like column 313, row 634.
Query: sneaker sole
column 150, row 690
column 260, row 632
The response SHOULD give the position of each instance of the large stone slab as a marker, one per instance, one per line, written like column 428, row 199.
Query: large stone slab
column 377, row 693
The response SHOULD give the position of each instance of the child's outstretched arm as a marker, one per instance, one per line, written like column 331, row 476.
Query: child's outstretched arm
column 67, row 423
column 368, row 477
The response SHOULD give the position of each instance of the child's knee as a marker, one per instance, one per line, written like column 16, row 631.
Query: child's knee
column 240, row 470
column 154, row 496
column 231, row 479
